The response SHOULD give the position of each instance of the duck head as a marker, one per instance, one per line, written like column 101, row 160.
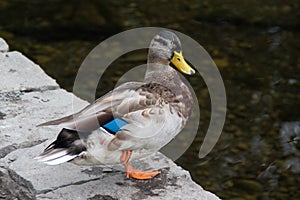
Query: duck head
column 165, row 48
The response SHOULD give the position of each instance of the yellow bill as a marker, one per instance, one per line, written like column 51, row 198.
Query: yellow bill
column 181, row 64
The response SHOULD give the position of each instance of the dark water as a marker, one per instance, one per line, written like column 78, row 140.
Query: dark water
column 255, row 46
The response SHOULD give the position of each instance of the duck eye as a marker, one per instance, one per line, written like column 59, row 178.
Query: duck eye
column 178, row 59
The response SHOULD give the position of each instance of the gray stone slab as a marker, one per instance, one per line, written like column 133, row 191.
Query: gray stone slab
column 18, row 73
column 22, row 111
column 68, row 181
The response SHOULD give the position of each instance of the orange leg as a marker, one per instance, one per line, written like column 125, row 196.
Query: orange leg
column 131, row 172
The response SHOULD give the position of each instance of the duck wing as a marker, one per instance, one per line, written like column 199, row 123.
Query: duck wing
column 101, row 111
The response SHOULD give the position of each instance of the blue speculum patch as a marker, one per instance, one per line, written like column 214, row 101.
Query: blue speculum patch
column 114, row 126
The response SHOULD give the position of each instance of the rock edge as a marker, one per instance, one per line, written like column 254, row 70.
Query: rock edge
column 28, row 96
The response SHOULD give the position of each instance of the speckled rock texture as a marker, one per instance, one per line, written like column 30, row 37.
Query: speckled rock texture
column 28, row 97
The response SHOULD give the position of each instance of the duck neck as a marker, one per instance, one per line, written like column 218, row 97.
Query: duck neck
column 163, row 74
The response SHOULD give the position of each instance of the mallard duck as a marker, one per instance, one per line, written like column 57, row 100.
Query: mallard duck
column 134, row 120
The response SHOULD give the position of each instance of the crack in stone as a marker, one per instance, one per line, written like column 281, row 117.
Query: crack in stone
column 2, row 115
column 101, row 197
column 66, row 185
column 16, row 94
column 6, row 150
column 40, row 89
column 10, row 148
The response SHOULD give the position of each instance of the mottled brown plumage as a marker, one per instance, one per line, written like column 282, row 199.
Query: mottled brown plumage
column 153, row 113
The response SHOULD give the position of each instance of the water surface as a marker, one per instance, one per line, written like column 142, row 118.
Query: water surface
column 255, row 46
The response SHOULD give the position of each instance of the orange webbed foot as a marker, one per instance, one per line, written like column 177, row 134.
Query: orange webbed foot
column 140, row 175
column 133, row 173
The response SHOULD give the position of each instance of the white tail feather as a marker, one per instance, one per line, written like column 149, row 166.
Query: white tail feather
column 55, row 157
column 53, row 154
column 60, row 160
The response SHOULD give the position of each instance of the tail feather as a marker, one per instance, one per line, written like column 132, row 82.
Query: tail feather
column 60, row 160
column 56, row 156
column 52, row 154
column 65, row 148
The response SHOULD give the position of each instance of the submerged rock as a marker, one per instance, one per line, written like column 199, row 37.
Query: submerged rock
column 290, row 141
